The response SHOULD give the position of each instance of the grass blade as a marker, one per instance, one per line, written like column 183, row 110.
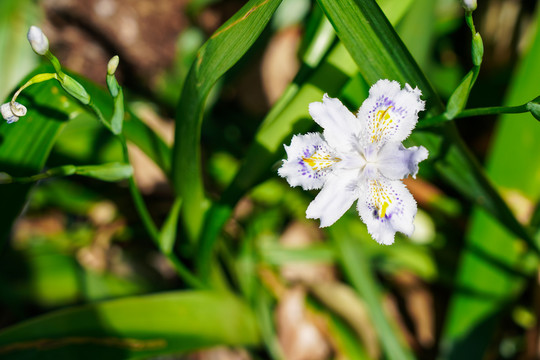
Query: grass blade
column 357, row 268
column 25, row 145
column 493, row 267
column 175, row 322
column 226, row 46
column 17, row 58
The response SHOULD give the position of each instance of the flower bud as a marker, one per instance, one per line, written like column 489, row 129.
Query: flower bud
column 75, row 89
column 468, row 5
column 38, row 40
column 112, row 65
column 477, row 49
column 534, row 108
column 11, row 112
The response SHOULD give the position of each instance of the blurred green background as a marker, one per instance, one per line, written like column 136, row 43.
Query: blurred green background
column 463, row 286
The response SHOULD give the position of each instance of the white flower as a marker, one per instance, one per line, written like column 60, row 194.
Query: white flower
column 361, row 158
column 11, row 113
column 38, row 40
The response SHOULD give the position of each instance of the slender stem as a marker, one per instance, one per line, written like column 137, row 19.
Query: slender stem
column 56, row 64
column 100, row 116
column 34, row 80
column 493, row 111
column 138, row 199
column 440, row 119
column 147, row 220
column 151, row 227
column 470, row 22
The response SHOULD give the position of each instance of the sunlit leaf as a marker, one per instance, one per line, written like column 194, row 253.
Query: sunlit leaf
column 224, row 48
column 137, row 327
column 106, row 172
column 494, row 267
column 17, row 58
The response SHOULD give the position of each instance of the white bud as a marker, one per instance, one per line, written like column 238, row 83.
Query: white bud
column 468, row 5
column 38, row 40
column 112, row 65
column 12, row 113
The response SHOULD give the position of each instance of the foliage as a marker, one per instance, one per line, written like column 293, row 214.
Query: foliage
column 94, row 263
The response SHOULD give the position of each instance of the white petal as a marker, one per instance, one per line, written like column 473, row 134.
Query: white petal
column 12, row 113
column 338, row 194
column 395, row 162
column 341, row 127
column 390, row 113
column 309, row 160
column 386, row 207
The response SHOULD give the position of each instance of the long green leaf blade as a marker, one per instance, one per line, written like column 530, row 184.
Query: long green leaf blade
column 25, row 145
column 226, row 46
column 17, row 58
column 137, row 327
column 357, row 268
column 493, row 267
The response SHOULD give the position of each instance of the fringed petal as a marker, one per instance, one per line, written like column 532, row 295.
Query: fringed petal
column 341, row 127
column 309, row 160
column 387, row 207
column 395, row 162
column 390, row 113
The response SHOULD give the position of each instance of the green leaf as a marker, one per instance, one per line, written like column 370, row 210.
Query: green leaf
column 17, row 58
column 137, row 327
column 25, row 145
column 167, row 237
column 117, row 119
column 279, row 255
column 494, row 268
column 75, row 89
column 459, row 97
column 375, row 47
column 134, row 129
column 77, row 141
column 224, row 48
column 106, row 172
column 357, row 269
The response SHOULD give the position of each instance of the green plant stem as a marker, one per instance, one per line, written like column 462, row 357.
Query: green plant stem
column 441, row 119
column 100, row 116
column 470, row 22
column 147, row 220
column 151, row 227
column 56, row 64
